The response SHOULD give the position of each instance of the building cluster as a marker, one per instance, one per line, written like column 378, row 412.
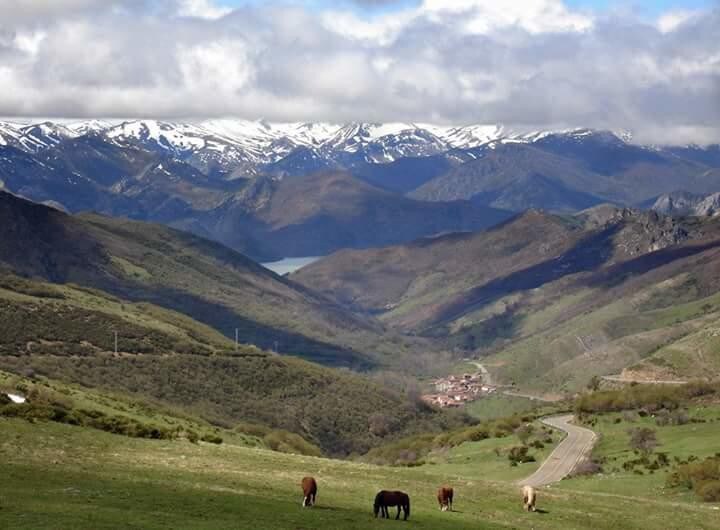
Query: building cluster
column 456, row 390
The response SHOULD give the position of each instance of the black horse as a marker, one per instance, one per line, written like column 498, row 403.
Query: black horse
column 392, row 498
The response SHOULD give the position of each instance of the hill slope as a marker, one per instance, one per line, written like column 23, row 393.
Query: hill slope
column 67, row 333
column 118, row 481
column 553, row 300
column 178, row 271
column 318, row 213
column 570, row 172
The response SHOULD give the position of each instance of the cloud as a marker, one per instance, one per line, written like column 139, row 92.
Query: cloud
column 202, row 9
column 533, row 64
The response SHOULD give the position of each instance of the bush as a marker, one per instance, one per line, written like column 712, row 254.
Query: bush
column 643, row 439
column 212, row 438
column 587, row 467
column 702, row 477
column 192, row 436
column 524, row 432
column 629, row 416
column 709, row 491
column 253, row 429
column 649, row 398
column 288, row 442
column 116, row 424
column 519, row 455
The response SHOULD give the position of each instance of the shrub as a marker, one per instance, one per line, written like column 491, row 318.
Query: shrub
column 587, row 467
column 253, row 429
column 519, row 455
column 701, row 476
column 212, row 438
column 629, row 416
column 680, row 417
column 709, row 491
column 649, row 398
column 288, row 442
column 192, row 436
column 643, row 439
column 524, row 432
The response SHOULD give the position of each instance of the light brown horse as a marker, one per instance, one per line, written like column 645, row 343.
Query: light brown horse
column 309, row 487
column 392, row 498
column 529, row 498
column 445, row 498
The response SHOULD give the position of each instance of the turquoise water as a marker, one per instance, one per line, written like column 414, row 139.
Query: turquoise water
column 288, row 265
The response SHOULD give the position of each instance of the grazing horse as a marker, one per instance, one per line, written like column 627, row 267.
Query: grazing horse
column 529, row 498
column 445, row 498
column 309, row 487
column 392, row 498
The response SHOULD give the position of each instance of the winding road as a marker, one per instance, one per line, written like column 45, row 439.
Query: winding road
column 566, row 456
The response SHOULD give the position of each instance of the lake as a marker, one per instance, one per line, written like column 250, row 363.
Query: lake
column 288, row 265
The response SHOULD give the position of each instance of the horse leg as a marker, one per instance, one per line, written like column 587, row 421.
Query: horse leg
column 398, row 514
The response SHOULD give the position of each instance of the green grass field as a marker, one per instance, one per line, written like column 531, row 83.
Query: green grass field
column 499, row 406
column 682, row 441
column 60, row 476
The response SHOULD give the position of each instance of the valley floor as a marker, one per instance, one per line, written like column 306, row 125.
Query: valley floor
column 60, row 476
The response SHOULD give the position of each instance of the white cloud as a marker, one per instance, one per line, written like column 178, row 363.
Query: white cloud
column 671, row 20
column 220, row 67
column 202, row 9
column 527, row 64
column 534, row 16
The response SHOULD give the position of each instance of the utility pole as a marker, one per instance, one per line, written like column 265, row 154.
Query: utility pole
column 116, row 343
column 237, row 339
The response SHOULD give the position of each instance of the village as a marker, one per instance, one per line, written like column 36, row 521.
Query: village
column 457, row 390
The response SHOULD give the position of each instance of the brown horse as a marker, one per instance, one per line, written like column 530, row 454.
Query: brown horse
column 445, row 498
column 309, row 487
column 529, row 498
column 392, row 498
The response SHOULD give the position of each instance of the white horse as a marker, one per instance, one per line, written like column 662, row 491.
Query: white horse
column 529, row 498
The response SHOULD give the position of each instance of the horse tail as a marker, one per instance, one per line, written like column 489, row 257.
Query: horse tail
column 407, row 508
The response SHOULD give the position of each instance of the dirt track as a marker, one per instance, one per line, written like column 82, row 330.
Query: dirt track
column 577, row 445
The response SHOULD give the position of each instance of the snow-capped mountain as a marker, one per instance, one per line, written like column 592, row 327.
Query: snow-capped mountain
column 88, row 126
column 468, row 137
column 9, row 133
column 41, row 136
column 234, row 180
column 382, row 143
column 684, row 203
column 229, row 141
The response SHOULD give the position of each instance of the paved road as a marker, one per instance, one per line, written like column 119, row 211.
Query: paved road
column 620, row 379
column 487, row 378
column 531, row 397
column 577, row 445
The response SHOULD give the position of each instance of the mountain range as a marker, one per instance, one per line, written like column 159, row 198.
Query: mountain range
column 302, row 189
column 550, row 300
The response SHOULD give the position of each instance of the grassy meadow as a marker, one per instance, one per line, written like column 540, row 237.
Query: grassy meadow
column 699, row 438
column 56, row 475
column 61, row 476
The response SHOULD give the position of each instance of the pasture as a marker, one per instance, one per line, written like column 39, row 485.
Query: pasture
column 61, row 476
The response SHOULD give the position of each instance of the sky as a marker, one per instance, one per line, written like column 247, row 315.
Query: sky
column 650, row 67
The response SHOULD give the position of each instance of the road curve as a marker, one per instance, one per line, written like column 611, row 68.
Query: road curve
column 577, row 445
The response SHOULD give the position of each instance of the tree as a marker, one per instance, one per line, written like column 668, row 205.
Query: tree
column 524, row 432
column 643, row 439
